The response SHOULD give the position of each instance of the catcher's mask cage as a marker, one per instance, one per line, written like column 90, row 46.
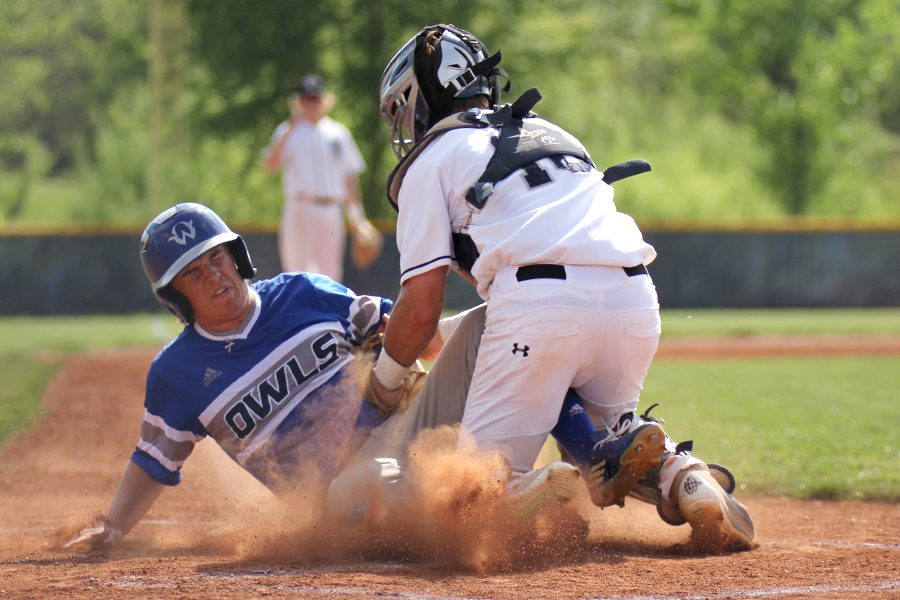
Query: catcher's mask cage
column 178, row 236
column 418, row 87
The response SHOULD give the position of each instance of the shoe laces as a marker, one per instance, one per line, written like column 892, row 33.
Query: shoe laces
column 646, row 414
column 627, row 423
column 623, row 424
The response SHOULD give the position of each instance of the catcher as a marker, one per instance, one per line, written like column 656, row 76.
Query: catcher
column 517, row 206
column 320, row 166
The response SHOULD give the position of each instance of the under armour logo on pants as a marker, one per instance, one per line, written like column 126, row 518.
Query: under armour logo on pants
column 523, row 350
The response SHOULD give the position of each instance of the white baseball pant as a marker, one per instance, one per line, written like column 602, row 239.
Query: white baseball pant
column 311, row 238
column 596, row 331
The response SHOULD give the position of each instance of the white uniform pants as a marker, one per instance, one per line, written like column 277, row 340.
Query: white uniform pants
column 311, row 238
column 596, row 331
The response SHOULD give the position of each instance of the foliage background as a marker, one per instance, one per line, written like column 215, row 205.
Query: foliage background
column 748, row 111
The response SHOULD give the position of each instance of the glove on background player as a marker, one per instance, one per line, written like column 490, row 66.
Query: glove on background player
column 366, row 244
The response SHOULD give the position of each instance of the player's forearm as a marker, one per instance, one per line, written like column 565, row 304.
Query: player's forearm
column 135, row 495
column 409, row 332
column 273, row 154
column 434, row 346
column 272, row 159
column 415, row 317
column 353, row 206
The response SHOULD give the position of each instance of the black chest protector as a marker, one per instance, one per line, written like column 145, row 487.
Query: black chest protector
column 518, row 147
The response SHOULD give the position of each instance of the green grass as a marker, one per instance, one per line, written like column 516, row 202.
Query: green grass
column 806, row 427
column 73, row 334
column 813, row 427
column 802, row 322
column 31, row 349
column 24, row 380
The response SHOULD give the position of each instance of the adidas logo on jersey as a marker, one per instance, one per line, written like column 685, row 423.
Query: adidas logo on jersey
column 576, row 409
column 210, row 376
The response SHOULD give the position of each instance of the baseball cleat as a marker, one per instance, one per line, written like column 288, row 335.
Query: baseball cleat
column 647, row 490
column 618, row 462
column 555, row 483
column 718, row 521
column 723, row 477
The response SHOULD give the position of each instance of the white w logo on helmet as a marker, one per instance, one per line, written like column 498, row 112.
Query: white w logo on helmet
column 182, row 231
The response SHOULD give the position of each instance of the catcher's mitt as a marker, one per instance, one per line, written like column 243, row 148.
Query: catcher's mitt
column 366, row 245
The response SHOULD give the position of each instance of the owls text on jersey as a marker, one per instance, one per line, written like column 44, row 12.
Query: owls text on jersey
column 564, row 216
column 275, row 395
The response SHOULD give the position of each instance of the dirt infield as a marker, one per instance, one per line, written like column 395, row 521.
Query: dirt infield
column 219, row 534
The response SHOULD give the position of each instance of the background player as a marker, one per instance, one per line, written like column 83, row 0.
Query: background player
column 320, row 165
column 570, row 303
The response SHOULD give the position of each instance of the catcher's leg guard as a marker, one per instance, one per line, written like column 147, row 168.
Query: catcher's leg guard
column 620, row 459
column 612, row 460
column 718, row 521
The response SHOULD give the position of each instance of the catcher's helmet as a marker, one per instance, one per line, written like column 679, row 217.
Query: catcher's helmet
column 439, row 64
column 175, row 238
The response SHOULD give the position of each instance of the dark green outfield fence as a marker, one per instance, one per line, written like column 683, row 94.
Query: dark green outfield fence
column 81, row 273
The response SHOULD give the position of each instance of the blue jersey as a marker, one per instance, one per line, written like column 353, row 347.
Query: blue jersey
column 278, row 394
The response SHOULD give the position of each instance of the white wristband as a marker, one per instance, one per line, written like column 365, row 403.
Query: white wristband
column 389, row 372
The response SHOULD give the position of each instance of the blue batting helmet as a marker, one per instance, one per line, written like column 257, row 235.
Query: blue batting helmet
column 178, row 236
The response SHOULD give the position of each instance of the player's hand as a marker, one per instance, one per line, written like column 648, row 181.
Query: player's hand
column 95, row 540
column 385, row 400
column 374, row 342
column 397, row 400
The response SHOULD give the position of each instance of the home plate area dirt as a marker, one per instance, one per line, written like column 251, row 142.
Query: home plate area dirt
column 221, row 535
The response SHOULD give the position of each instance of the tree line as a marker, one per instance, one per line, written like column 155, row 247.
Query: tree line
column 747, row 110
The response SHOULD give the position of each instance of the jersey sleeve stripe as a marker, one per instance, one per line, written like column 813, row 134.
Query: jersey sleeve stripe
column 176, row 435
column 154, row 469
column 154, row 452
column 171, row 449
column 448, row 258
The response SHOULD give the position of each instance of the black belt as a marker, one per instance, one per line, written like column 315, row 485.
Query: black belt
column 636, row 270
column 559, row 272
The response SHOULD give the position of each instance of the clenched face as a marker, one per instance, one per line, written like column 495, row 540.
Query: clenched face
column 218, row 294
